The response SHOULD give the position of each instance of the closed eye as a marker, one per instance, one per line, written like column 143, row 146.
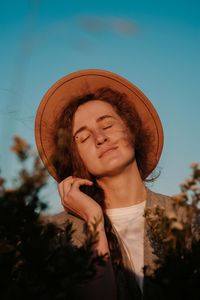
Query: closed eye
column 82, row 141
column 107, row 127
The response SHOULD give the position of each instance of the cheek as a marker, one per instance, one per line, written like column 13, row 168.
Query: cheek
column 87, row 155
column 127, row 145
column 125, row 138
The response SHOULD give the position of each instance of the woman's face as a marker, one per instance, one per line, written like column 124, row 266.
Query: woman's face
column 102, row 139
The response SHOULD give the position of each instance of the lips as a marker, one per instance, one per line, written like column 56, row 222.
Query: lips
column 106, row 150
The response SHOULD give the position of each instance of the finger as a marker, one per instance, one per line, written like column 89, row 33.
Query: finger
column 67, row 185
column 64, row 186
column 60, row 189
column 79, row 182
column 66, row 202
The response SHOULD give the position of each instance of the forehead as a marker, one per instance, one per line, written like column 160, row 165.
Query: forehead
column 91, row 111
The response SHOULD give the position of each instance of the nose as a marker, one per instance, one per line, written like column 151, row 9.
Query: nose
column 101, row 138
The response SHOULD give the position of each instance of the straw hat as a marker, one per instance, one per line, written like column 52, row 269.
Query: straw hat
column 78, row 83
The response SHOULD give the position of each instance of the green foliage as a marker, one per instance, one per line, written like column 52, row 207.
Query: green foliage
column 175, row 237
column 38, row 260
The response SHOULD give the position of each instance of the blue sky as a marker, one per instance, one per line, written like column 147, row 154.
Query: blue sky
column 154, row 44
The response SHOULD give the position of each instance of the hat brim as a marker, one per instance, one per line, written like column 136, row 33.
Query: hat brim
column 78, row 83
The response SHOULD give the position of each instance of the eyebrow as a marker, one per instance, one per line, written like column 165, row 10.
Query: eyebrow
column 98, row 120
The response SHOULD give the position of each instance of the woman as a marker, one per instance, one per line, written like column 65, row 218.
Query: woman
column 100, row 138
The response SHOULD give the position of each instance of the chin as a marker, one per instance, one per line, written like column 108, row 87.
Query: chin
column 114, row 169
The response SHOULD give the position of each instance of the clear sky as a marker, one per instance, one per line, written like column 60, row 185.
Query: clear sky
column 154, row 44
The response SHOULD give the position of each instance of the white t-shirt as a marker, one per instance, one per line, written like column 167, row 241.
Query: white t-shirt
column 129, row 223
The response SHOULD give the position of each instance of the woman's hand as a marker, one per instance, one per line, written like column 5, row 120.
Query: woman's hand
column 78, row 202
column 84, row 206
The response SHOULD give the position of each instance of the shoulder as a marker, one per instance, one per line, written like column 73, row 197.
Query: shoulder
column 172, row 208
column 62, row 219
column 156, row 199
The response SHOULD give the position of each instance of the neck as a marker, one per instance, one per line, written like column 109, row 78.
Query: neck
column 124, row 189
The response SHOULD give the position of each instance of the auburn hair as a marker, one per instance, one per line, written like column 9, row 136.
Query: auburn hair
column 67, row 161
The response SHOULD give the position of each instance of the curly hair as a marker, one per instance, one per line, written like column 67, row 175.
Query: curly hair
column 68, row 162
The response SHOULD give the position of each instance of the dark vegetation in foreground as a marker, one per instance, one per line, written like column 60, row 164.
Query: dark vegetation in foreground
column 39, row 261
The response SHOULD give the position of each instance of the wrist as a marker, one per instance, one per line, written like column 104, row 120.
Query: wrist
column 95, row 217
column 96, row 223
